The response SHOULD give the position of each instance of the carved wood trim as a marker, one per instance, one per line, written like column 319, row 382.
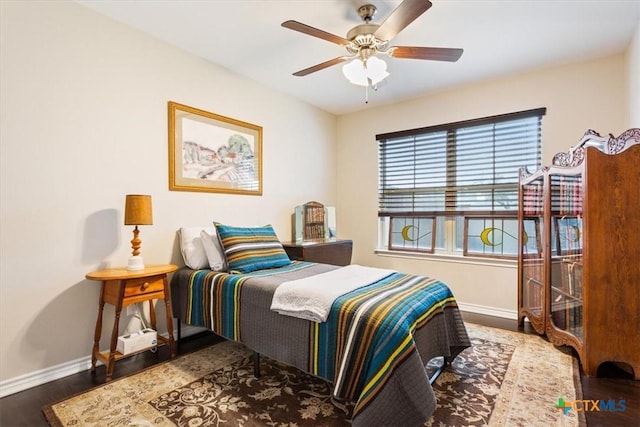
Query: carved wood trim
column 609, row 144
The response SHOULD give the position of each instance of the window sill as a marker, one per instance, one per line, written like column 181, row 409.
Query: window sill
column 457, row 259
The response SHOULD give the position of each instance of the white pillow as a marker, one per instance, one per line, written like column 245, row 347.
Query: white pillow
column 213, row 249
column 192, row 248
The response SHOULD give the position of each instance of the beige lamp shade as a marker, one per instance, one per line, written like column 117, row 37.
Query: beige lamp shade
column 137, row 210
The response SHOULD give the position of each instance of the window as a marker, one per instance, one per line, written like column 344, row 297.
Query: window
column 454, row 188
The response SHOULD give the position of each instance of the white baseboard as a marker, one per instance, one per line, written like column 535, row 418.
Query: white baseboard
column 187, row 330
column 489, row 311
column 34, row 379
column 43, row 376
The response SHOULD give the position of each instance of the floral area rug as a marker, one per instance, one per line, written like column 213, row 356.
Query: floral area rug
column 508, row 379
column 504, row 379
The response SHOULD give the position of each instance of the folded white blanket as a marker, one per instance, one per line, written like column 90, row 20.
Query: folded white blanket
column 311, row 298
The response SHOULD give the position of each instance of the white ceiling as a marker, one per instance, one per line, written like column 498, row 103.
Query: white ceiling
column 499, row 37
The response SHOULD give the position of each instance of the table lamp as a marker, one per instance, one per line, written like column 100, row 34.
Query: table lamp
column 137, row 211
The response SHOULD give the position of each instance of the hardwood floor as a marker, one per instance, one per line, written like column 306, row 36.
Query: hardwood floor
column 25, row 408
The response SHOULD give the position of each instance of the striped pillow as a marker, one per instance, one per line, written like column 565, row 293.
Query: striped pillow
column 251, row 248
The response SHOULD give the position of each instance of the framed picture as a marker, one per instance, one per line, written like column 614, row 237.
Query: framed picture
column 213, row 153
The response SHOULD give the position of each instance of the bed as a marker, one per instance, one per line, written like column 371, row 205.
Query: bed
column 373, row 346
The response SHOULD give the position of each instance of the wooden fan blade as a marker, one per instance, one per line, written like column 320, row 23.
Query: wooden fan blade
column 404, row 15
column 306, row 29
column 430, row 53
column 322, row 66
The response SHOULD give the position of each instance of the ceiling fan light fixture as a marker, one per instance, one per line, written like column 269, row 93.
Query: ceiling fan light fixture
column 355, row 72
column 364, row 74
column 376, row 70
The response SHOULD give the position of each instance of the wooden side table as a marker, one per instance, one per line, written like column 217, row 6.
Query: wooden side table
column 120, row 288
column 336, row 252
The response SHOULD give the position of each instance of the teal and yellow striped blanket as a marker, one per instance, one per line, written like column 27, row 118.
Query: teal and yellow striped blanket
column 213, row 299
column 368, row 335
column 370, row 331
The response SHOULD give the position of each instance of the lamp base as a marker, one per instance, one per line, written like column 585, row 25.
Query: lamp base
column 135, row 263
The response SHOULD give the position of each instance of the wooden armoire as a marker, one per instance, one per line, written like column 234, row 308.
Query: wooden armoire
column 579, row 257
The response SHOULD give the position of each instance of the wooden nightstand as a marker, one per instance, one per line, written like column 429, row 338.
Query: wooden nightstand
column 336, row 252
column 120, row 288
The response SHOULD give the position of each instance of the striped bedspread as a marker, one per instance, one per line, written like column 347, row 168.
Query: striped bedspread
column 214, row 298
column 370, row 331
column 373, row 346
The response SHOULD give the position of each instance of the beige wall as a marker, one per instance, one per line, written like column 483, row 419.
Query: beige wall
column 84, row 122
column 577, row 97
column 633, row 73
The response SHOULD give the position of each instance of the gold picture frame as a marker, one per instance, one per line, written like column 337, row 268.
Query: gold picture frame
column 213, row 153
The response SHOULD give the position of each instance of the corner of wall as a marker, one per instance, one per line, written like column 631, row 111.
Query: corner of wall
column 633, row 81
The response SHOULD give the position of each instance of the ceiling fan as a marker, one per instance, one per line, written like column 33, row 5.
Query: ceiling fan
column 366, row 41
